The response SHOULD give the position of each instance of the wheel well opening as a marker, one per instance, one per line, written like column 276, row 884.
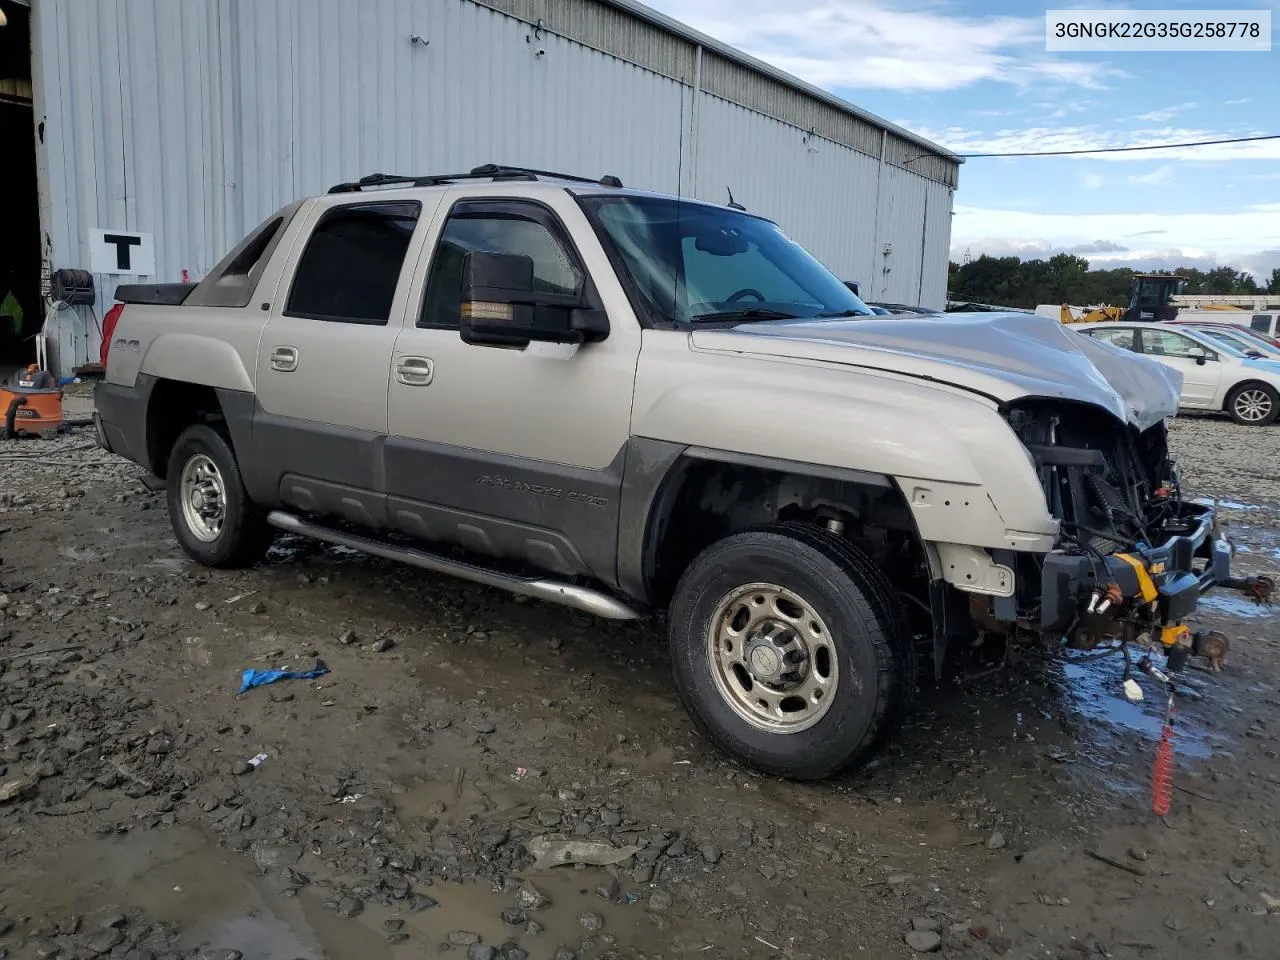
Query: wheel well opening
column 172, row 408
column 714, row 500
column 1245, row 385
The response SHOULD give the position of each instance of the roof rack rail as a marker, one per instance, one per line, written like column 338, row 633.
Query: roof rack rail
column 487, row 171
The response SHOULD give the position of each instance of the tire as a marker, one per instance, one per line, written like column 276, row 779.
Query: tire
column 1253, row 404
column 857, row 639
column 240, row 536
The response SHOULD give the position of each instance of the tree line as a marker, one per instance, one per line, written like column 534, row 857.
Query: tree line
column 1066, row 278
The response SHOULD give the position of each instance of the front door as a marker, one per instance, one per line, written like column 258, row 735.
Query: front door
column 1200, row 377
column 325, row 357
column 512, row 452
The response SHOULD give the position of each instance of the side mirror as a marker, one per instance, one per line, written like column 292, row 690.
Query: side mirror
column 1198, row 355
column 500, row 306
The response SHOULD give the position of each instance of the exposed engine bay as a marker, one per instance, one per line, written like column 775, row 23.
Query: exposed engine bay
column 1133, row 557
column 1111, row 487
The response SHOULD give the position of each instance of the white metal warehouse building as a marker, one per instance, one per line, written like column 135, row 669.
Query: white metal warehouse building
column 183, row 124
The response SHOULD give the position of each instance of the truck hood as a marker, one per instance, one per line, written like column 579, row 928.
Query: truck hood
column 1006, row 356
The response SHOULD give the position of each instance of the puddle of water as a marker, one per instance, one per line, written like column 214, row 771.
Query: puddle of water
column 215, row 897
column 1232, row 605
column 80, row 554
column 1229, row 504
column 1094, row 691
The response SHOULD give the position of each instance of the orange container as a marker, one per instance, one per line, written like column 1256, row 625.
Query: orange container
column 31, row 404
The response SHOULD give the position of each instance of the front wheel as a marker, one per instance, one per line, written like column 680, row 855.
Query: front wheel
column 1253, row 404
column 790, row 650
column 212, row 516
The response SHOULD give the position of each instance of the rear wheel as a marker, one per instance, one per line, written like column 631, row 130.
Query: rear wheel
column 212, row 516
column 1253, row 404
column 790, row 650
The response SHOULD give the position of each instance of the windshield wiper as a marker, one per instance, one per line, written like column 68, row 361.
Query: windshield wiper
column 843, row 313
column 749, row 313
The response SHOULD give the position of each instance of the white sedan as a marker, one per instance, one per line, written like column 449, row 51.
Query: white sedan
column 1216, row 374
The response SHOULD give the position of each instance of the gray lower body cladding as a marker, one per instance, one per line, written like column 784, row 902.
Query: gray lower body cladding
column 566, row 594
column 552, row 517
column 121, row 413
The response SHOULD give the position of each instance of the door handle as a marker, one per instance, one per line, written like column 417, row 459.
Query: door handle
column 284, row 359
column 414, row 371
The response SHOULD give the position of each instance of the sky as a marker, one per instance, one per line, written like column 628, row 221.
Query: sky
column 974, row 76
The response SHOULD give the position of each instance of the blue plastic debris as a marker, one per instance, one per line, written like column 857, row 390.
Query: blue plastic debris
column 260, row 678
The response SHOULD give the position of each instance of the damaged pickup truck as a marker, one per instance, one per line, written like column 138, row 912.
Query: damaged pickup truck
column 636, row 404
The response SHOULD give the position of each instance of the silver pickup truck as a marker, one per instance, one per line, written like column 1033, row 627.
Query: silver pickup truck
column 637, row 404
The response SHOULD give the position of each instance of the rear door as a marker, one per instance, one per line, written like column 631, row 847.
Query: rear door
column 325, row 356
column 1201, row 378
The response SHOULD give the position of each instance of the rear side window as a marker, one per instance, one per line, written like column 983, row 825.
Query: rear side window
column 1261, row 322
column 350, row 268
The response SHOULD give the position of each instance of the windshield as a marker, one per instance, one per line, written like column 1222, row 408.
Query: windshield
column 1225, row 345
column 1239, row 341
column 690, row 263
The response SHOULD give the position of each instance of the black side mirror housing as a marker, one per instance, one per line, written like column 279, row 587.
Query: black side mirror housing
column 501, row 307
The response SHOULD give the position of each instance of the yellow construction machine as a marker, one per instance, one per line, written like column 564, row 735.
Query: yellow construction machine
column 1151, row 298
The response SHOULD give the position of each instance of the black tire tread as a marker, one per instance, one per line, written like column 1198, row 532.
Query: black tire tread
column 251, row 536
column 877, row 606
column 886, row 598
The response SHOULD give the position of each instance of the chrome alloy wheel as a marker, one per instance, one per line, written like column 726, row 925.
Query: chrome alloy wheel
column 1252, row 405
column 773, row 659
column 204, row 498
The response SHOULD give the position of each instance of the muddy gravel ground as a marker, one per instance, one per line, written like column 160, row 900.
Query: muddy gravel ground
column 412, row 800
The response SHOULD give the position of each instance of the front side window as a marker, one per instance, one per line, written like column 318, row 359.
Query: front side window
column 1261, row 322
column 495, row 228
column 1164, row 343
column 1121, row 337
column 692, row 262
column 350, row 268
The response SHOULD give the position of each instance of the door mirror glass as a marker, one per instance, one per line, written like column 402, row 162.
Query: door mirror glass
column 502, row 307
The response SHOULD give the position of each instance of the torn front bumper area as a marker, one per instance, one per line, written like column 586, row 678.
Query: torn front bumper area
column 1165, row 582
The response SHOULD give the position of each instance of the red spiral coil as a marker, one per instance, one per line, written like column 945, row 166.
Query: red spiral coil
column 1162, row 774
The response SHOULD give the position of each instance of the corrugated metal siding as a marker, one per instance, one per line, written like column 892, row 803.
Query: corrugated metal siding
column 609, row 30
column 821, row 193
column 195, row 120
column 131, row 129
column 937, row 246
column 737, row 84
column 913, row 157
column 900, row 237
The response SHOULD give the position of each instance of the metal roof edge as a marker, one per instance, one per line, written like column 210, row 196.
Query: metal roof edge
column 671, row 25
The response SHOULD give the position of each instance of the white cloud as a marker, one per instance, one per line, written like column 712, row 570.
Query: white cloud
column 1248, row 239
column 1094, row 137
column 1159, row 175
column 1165, row 114
column 1090, row 180
column 1098, row 246
column 1231, row 103
column 882, row 44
